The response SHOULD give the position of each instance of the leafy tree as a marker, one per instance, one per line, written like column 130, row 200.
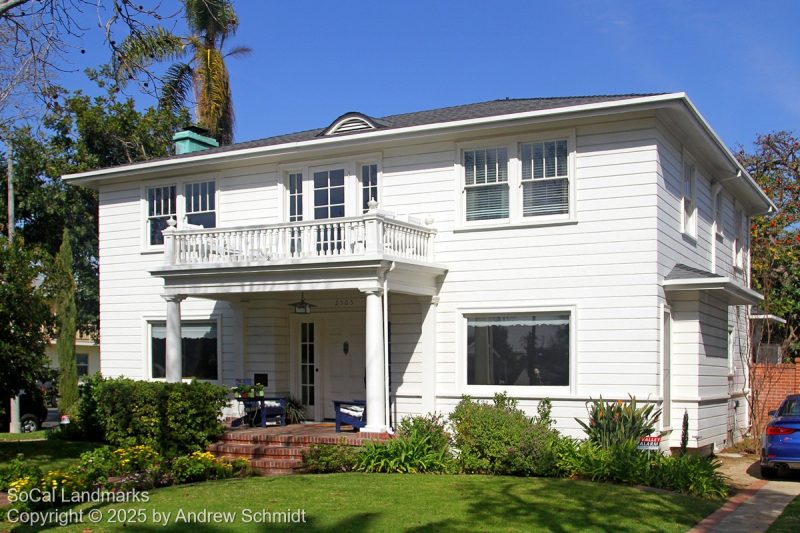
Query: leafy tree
column 775, row 237
column 66, row 314
column 81, row 134
column 25, row 318
column 200, row 63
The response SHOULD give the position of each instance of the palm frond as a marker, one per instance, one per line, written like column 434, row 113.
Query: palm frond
column 138, row 52
column 214, row 19
column 239, row 51
column 177, row 84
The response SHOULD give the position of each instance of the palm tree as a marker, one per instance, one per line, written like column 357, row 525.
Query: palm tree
column 199, row 63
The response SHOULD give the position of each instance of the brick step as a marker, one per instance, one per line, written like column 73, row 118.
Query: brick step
column 256, row 450
column 277, row 466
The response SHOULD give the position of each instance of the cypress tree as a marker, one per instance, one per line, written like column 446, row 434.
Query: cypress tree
column 66, row 316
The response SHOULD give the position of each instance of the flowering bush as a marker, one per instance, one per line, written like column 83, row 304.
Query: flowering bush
column 136, row 459
column 200, row 466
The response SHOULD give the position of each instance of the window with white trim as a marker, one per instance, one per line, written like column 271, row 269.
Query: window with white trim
column 738, row 242
column 329, row 193
column 369, row 185
column 200, row 201
column 545, row 178
column 82, row 364
column 486, row 183
column 295, row 196
column 161, row 206
column 519, row 350
column 199, row 350
column 688, row 201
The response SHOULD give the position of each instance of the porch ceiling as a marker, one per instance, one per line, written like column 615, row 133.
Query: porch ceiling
column 203, row 281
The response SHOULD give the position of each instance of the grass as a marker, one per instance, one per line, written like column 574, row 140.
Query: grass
column 380, row 502
column 36, row 435
column 789, row 520
column 53, row 454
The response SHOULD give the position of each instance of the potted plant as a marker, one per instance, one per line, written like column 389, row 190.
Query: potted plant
column 241, row 391
column 259, row 390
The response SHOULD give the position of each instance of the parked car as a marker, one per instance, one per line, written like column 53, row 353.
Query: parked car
column 780, row 445
column 32, row 410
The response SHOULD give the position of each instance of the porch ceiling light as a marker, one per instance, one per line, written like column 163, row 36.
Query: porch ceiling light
column 302, row 307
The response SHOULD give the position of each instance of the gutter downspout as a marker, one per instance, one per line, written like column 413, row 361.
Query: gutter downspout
column 388, row 405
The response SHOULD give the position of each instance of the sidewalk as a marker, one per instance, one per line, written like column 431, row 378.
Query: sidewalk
column 752, row 510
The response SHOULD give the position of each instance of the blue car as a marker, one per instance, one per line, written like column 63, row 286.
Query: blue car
column 780, row 446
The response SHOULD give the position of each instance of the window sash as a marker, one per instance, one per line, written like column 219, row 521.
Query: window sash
column 547, row 159
column 519, row 350
column 295, row 197
column 161, row 206
column 487, row 202
column 200, row 200
column 329, row 194
column 485, row 166
column 369, row 185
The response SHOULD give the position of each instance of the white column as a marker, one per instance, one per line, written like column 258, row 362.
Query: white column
column 428, row 317
column 376, row 383
column 14, row 426
column 174, row 359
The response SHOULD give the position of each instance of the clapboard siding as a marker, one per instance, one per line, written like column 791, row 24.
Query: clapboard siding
column 607, row 264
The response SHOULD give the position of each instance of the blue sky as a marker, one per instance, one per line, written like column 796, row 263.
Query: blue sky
column 314, row 60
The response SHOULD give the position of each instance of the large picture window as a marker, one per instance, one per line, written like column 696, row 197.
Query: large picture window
column 199, row 347
column 519, row 350
column 486, row 183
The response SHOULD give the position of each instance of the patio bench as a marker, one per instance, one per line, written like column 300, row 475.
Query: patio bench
column 259, row 409
column 352, row 412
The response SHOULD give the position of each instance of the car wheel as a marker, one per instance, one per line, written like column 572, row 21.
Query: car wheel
column 28, row 424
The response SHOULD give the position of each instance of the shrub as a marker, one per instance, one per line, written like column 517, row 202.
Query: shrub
column 199, row 466
column 172, row 418
column 404, row 455
column 17, row 469
column 539, row 453
column 485, row 433
column 613, row 423
column 624, row 463
column 326, row 458
column 432, row 425
column 99, row 464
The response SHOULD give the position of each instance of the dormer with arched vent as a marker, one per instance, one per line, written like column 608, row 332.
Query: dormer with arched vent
column 351, row 122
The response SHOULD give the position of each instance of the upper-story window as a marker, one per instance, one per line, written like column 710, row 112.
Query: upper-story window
column 329, row 194
column 545, row 178
column 738, row 242
column 295, row 196
column 369, row 185
column 161, row 206
column 689, row 203
column 201, row 204
column 486, row 183
column 718, row 213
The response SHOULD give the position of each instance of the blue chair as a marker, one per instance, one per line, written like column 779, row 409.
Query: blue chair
column 353, row 412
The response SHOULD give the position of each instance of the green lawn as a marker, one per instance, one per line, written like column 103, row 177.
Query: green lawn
column 789, row 521
column 53, row 454
column 377, row 502
column 36, row 435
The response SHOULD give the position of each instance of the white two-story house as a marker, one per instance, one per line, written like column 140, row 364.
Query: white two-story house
column 565, row 248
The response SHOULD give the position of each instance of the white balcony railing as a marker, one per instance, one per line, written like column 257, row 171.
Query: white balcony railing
column 374, row 233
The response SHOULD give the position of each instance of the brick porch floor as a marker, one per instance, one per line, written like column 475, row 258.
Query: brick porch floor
column 279, row 449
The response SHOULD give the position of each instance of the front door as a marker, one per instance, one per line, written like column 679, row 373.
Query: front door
column 345, row 361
